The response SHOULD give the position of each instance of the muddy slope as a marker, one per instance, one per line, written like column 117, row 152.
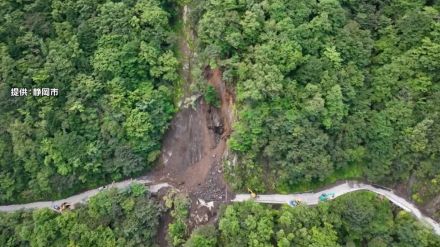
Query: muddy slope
column 194, row 146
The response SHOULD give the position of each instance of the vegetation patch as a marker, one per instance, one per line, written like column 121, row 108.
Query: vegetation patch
column 322, row 86
column 178, row 229
column 111, row 218
column 212, row 97
column 115, row 73
column 356, row 219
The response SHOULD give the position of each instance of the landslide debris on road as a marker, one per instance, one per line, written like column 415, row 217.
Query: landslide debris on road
column 194, row 146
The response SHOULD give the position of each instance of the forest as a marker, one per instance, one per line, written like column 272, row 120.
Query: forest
column 131, row 218
column 111, row 218
column 329, row 88
column 324, row 90
column 114, row 67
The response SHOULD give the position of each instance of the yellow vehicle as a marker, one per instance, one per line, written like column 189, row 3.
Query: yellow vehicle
column 253, row 194
column 61, row 208
column 64, row 206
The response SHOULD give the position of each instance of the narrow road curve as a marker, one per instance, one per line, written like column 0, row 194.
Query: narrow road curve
column 82, row 197
column 307, row 198
column 339, row 190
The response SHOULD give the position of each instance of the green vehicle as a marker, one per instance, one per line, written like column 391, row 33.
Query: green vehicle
column 326, row 196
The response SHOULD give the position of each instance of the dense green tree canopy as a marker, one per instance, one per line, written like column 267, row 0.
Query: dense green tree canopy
column 130, row 218
column 325, row 86
column 112, row 64
column 359, row 219
column 112, row 218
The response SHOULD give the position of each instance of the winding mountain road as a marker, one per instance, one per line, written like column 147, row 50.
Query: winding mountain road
column 307, row 198
column 339, row 190
column 82, row 197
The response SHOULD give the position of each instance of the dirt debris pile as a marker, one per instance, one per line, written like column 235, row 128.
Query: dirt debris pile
column 194, row 149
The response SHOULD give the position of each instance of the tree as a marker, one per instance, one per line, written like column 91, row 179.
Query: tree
column 212, row 97
column 324, row 86
column 360, row 217
column 205, row 236
column 114, row 73
column 105, row 221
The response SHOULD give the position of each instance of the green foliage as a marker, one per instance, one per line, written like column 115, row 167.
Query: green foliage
column 204, row 236
column 177, row 229
column 111, row 218
column 249, row 224
column 212, row 97
column 322, row 86
column 115, row 73
column 361, row 217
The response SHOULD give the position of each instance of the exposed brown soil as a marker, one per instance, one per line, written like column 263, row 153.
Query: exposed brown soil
column 194, row 146
column 193, row 151
column 190, row 148
column 227, row 98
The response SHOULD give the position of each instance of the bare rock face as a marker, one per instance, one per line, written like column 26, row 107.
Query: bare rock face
column 193, row 150
column 200, row 216
column 185, row 141
column 202, row 212
column 215, row 122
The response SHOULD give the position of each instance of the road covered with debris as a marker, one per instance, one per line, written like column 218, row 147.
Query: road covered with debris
column 306, row 198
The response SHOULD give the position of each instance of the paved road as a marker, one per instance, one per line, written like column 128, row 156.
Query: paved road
column 347, row 187
column 308, row 198
column 82, row 197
